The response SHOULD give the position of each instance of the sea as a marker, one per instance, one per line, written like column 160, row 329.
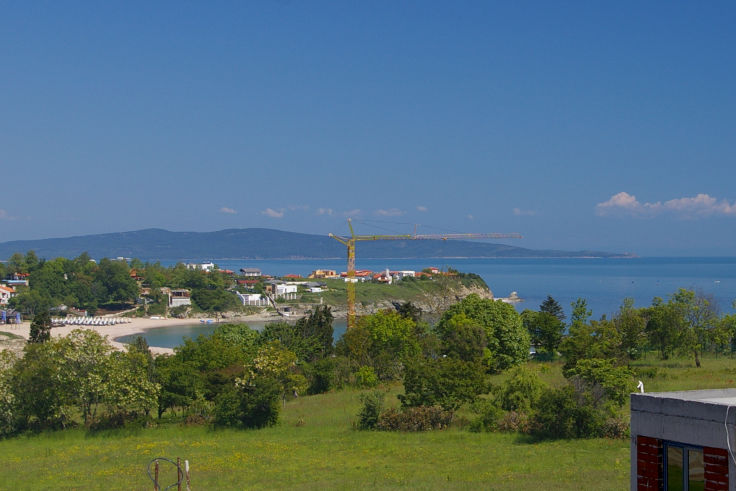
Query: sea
column 603, row 282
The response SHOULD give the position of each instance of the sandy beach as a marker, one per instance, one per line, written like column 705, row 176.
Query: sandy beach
column 137, row 325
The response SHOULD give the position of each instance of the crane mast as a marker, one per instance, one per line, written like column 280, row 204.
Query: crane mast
column 349, row 242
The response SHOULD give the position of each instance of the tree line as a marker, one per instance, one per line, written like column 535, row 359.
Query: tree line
column 241, row 377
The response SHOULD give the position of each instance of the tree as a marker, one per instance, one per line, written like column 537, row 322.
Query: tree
column 465, row 339
column 40, row 399
column 40, row 328
column 508, row 341
column 551, row 307
column 408, row 310
column 630, row 324
column 664, row 326
column 700, row 319
column 545, row 330
column 276, row 362
column 605, row 381
column 84, row 371
column 445, row 382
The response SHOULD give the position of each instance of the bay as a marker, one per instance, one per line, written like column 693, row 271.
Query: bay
column 604, row 283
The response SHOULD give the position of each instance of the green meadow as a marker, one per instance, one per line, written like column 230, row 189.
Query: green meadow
column 314, row 446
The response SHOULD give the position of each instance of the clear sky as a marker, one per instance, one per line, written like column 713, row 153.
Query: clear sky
column 594, row 125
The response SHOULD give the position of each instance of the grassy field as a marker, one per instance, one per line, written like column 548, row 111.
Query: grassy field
column 314, row 447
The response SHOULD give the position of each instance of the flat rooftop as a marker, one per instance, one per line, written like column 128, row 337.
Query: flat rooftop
column 710, row 404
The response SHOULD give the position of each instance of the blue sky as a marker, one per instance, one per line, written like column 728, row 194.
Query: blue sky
column 578, row 124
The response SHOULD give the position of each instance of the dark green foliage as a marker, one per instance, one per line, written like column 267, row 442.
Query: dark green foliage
column 552, row 307
column 39, row 399
column 545, row 330
column 565, row 413
column 445, row 382
column 371, row 410
column 464, row 338
column 409, row 311
column 255, row 405
column 321, row 376
column 508, row 341
column 214, row 300
column 40, row 328
column 310, row 338
column 419, row 418
column 180, row 383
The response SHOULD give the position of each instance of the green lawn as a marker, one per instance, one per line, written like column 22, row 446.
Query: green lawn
column 315, row 447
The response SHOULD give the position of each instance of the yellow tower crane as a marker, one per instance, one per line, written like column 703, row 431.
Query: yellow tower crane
column 350, row 241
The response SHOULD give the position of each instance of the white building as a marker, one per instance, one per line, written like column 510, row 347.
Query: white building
column 203, row 266
column 253, row 299
column 250, row 272
column 177, row 298
column 286, row 291
column 6, row 293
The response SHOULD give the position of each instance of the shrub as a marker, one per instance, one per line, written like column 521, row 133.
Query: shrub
column 200, row 411
column 419, row 418
column 445, row 382
column 564, row 413
column 366, row 377
column 487, row 418
column 513, row 421
column 255, row 405
column 371, row 410
column 521, row 391
column 615, row 428
column 321, row 376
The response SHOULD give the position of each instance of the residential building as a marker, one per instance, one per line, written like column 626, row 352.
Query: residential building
column 683, row 440
column 250, row 272
column 177, row 298
column 6, row 293
column 203, row 266
column 253, row 299
column 323, row 273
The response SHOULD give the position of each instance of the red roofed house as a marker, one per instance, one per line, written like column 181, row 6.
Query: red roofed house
column 6, row 293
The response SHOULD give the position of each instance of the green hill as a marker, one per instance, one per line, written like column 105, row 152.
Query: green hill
column 262, row 243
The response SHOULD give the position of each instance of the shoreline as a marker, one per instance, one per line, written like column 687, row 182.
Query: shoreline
column 138, row 325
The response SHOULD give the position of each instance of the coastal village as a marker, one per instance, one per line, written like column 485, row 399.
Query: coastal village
column 288, row 295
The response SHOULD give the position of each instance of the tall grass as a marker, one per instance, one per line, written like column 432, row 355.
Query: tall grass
column 315, row 447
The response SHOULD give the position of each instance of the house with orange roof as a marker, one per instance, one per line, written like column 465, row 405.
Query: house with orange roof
column 6, row 293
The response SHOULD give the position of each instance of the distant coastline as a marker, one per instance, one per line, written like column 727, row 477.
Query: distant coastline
column 269, row 244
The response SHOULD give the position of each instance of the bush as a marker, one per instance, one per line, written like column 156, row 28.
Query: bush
column 366, row 377
column 564, row 413
column 513, row 421
column 253, row 406
column 521, row 391
column 445, row 382
column 200, row 411
column 371, row 410
column 321, row 376
column 488, row 416
column 615, row 428
column 418, row 418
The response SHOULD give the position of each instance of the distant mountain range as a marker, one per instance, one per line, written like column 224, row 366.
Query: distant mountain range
column 262, row 243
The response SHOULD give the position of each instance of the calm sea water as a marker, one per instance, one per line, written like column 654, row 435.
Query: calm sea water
column 604, row 283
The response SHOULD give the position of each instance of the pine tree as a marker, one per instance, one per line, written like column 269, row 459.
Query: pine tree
column 551, row 306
